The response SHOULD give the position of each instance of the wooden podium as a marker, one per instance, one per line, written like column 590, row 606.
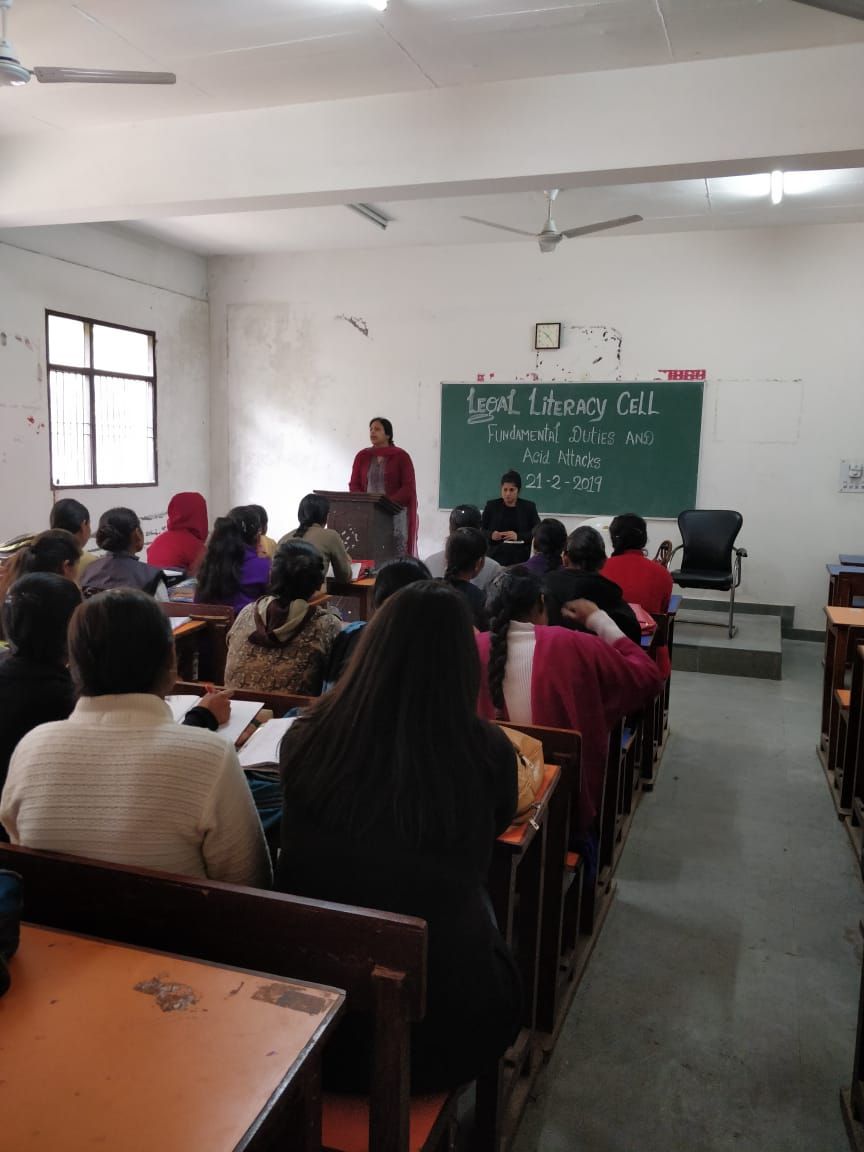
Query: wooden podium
column 364, row 520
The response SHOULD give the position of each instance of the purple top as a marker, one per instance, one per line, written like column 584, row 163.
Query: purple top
column 254, row 578
column 538, row 564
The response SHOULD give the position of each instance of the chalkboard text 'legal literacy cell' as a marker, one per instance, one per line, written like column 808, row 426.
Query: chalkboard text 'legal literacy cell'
column 582, row 449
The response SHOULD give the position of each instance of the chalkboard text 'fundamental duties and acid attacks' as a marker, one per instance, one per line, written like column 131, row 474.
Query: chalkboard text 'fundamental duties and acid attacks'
column 581, row 449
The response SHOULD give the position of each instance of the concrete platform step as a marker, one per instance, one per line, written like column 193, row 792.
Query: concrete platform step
column 702, row 644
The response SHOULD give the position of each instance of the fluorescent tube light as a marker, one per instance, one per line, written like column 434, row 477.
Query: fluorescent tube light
column 776, row 186
column 370, row 213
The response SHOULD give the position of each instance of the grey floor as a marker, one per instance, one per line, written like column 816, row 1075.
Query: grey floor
column 718, row 1010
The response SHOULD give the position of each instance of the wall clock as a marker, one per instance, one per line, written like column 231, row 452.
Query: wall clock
column 547, row 336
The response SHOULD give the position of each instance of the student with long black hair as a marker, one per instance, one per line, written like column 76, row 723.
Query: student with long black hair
column 312, row 517
column 394, row 793
column 548, row 541
column 465, row 554
column 537, row 674
column 232, row 572
column 580, row 579
column 55, row 551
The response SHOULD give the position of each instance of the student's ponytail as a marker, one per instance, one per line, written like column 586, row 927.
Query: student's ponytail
column 463, row 549
column 314, row 509
column 511, row 595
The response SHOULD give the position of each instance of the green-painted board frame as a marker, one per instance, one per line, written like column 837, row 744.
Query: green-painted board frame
column 581, row 449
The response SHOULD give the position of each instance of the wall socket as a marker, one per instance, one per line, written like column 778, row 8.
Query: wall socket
column 852, row 475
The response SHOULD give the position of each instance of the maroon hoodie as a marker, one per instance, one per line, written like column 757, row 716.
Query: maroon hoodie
column 182, row 543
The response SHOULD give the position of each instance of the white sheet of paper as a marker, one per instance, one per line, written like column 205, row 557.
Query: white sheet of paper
column 181, row 704
column 262, row 747
column 242, row 712
column 176, row 621
column 355, row 571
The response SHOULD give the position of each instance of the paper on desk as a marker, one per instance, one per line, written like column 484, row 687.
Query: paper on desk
column 181, row 704
column 179, row 621
column 262, row 747
column 242, row 712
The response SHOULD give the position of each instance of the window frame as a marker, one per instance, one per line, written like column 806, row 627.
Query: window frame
column 91, row 373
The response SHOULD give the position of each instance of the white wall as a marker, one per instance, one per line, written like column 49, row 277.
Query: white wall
column 773, row 315
column 104, row 274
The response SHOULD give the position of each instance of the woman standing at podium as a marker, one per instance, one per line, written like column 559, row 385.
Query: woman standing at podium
column 385, row 468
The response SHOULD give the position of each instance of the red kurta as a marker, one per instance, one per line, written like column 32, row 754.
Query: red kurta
column 398, row 483
column 579, row 681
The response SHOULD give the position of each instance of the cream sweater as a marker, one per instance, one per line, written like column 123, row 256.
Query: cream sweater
column 121, row 781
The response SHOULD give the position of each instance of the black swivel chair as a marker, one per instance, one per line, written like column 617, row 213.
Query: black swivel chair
column 708, row 539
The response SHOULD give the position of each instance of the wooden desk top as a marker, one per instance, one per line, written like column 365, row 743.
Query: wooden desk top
column 845, row 617
column 844, row 569
column 848, row 559
column 365, row 582
column 518, row 836
column 106, row 1046
column 189, row 627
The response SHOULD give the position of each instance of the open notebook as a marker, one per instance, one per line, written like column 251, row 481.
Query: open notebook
column 242, row 712
column 261, row 750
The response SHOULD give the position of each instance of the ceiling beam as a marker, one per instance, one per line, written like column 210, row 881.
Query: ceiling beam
column 678, row 121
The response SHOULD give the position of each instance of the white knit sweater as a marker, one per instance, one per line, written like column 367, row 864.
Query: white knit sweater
column 121, row 781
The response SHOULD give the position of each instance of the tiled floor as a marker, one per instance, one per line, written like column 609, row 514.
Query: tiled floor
column 718, row 1011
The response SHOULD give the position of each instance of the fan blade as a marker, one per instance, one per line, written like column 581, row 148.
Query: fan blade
column 853, row 8
column 503, row 227
column 100, row 76
column 587, row 229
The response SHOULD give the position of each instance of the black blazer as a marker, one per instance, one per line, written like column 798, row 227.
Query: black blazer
column 494, row 515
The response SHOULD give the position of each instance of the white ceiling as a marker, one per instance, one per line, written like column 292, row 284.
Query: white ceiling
column 236, row 55
column 239, row 54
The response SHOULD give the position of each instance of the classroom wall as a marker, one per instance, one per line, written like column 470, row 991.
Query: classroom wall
column 772, row 314
column 103, row 273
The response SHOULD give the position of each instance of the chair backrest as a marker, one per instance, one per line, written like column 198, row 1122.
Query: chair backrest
column 708, row 535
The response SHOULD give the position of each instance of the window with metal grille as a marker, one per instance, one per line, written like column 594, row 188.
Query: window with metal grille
column 102, row 403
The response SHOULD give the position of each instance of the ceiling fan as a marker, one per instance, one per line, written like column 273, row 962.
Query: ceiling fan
column 549, row 237
column 853, row 8
column 13, row 72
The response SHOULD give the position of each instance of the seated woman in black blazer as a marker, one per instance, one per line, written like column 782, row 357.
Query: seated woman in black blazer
column 509, row 523
column 394, row 792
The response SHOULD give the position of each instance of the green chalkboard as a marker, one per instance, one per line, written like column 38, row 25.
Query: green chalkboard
column 582, row 449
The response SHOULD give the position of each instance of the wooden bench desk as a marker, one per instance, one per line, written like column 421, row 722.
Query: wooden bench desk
column 851, row 560
column 111, row 1046
column 845, row 628
column 378, row 958
column 203, row 650
column 845, row 584
column 360, row 592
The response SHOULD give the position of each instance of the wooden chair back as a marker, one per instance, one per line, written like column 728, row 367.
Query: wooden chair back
column 213, row 649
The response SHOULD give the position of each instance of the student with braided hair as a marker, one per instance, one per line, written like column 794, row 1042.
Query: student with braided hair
column 538, row 674
column 465, row 556
column 312, row 516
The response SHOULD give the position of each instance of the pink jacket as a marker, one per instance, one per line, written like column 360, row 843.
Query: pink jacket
column 579, row 681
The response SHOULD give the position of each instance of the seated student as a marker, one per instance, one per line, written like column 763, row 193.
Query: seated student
column 580, row 579
column 120, row 780
column 509, row 522
column 35, row 685
column 466, row 555
column 537, row 674
column 120, row 535
column 312, row 515
column 232, row 572
column 394, row 791
column 464, row 516
column 282, row 642
column 392, row 576
column 71, row 516
column 182, row 543
column 549, row 541
column 266, row 544
column 642, row 581
column 54, row 551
